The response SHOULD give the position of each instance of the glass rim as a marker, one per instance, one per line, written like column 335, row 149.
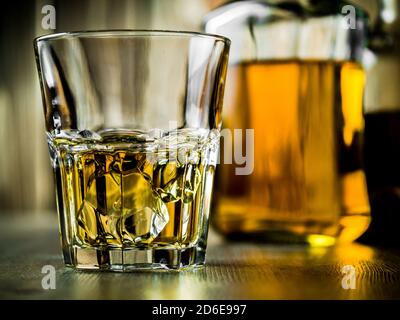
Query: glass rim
column 131, row 33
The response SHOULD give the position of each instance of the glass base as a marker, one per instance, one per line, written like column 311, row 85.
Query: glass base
column 283, row 238
column 314, row 233
column 133, row 259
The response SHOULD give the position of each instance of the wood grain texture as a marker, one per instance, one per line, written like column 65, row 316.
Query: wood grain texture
column 233, row 270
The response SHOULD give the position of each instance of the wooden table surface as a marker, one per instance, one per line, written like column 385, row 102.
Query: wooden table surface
column 233, row 270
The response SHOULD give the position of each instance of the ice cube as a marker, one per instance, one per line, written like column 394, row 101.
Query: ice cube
column 144, row 213
column 144, row 225
column 98, row 215
column 87, row 223
column 191, row 183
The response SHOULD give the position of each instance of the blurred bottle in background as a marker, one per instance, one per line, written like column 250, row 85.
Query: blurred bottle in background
column 295, row 78
column 382, row 127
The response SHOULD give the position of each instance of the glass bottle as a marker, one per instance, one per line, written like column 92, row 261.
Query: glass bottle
column 295, row 82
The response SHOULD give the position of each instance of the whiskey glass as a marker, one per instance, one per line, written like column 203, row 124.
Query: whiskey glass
column 132, row 121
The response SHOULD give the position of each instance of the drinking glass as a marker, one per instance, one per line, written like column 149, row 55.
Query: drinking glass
column 132, row 122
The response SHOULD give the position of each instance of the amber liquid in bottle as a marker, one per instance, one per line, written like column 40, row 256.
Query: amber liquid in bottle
column 308, row 183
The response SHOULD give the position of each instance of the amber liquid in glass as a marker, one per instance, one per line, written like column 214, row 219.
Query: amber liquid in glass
column 308, row 183
column 126, row 193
